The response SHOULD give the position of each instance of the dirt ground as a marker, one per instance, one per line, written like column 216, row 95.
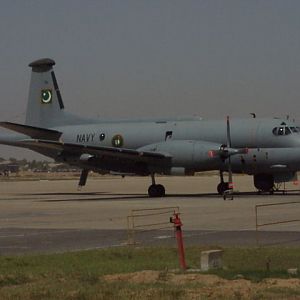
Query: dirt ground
column 214, row 287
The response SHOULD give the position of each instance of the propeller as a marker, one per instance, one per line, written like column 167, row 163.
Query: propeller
column 225, row 152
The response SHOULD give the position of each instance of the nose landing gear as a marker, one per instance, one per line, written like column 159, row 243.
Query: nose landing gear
column 222, row 187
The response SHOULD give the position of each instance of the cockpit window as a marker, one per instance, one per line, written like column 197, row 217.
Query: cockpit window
column 281, row 131
column 275, row 130
column 285, row 130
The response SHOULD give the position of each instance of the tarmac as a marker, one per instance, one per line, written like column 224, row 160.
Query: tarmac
column 46, row 216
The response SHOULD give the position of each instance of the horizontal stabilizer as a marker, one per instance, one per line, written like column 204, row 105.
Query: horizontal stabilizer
column 33, row 132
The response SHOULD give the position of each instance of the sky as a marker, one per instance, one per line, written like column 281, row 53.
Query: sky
column 141, row 58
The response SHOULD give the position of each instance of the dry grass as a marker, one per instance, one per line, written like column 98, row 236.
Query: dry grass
column 119, row 273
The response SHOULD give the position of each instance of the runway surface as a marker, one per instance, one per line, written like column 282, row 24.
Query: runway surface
column 52, row 216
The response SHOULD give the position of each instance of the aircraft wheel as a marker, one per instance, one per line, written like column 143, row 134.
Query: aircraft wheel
column 156, row 190
column 222, row 187
column 152, row 191
column 161, row 190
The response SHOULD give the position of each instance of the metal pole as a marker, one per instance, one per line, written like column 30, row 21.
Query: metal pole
column 256, row 225
column 177, row 224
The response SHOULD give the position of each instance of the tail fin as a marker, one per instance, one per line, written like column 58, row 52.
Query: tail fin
column 45, row 106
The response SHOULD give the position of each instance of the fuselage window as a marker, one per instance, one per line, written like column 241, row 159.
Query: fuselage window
column 168, row 135
column 102, row 136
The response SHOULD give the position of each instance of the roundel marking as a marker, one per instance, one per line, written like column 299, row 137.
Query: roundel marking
column 46, row 96
column 117, row 141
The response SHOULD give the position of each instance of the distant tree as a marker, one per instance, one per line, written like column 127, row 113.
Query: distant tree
column 33, row 164
column 23, row 162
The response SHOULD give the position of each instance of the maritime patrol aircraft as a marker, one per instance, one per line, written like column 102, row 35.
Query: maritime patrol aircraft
column 268, row 149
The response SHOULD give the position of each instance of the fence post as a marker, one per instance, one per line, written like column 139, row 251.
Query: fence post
column 177, row 225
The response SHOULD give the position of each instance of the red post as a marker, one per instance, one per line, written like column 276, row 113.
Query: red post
column 177, row 226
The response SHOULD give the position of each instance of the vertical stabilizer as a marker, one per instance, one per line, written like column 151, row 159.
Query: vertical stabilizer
column 45, row 106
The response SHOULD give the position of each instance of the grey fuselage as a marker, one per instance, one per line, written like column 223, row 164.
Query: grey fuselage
column 251, row 133
column 189, row 141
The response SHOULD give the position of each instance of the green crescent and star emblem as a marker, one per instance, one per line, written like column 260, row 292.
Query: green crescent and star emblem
column 117, row 141
column 46, row 96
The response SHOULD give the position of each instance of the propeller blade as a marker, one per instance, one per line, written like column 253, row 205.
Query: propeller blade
column 228, row 133
column 230, row 183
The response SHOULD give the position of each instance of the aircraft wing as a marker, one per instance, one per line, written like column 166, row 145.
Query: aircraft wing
column 99, row 152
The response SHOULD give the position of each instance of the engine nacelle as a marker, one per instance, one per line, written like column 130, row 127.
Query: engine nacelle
column 187, row 155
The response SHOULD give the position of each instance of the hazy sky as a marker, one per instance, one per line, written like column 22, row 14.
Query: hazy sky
column 148, row 58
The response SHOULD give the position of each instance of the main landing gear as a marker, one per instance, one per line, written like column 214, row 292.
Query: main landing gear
column 156, row 190
column 83, row 178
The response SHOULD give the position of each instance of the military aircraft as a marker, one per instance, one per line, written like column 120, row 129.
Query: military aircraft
column 268, row 149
